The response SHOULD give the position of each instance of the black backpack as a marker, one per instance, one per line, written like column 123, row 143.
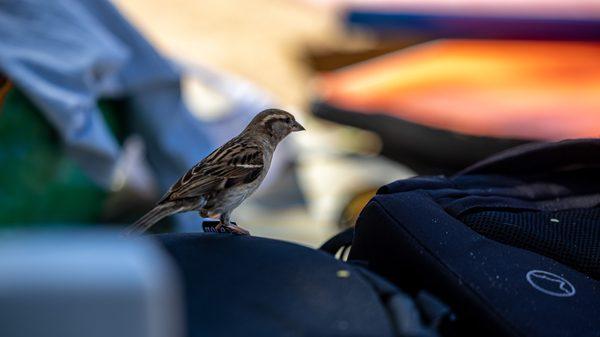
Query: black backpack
column 250, row 286
column 512, row 243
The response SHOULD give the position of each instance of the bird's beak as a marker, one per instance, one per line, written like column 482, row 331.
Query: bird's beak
column 297, row 127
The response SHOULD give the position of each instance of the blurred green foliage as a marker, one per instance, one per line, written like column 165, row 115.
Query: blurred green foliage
column 39, row 183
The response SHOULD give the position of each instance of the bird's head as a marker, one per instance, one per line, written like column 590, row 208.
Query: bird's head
column 275, row 124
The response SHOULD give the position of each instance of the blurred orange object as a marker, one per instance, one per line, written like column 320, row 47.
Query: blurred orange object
column 506, row 89
column 5, row 86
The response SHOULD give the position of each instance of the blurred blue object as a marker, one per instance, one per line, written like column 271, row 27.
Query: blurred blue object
column 399, row 24
column 67, row 54
column 91, row 284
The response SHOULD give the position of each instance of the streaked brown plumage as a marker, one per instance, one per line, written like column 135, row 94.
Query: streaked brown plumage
column 226, row 177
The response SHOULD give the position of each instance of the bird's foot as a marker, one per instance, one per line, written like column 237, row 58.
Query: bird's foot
column 232, row 229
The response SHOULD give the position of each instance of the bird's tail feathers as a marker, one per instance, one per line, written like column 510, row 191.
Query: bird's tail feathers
column 152, row 217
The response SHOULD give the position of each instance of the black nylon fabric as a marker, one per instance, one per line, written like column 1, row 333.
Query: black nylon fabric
column 250, row 286
column 510, row 243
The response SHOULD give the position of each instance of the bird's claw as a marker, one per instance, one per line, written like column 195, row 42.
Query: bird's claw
column 232, row 229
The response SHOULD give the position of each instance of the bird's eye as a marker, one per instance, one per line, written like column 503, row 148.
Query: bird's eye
column 288, row 120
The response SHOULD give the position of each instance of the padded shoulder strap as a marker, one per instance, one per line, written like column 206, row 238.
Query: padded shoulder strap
column 338, row 241
column 539, row 158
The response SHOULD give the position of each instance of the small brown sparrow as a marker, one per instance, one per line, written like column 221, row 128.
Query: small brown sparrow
column 226, row 177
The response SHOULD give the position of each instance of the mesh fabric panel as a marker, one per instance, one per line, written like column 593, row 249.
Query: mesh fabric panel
column 571, row 237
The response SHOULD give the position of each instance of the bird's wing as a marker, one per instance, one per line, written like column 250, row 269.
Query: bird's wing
column 231, row 165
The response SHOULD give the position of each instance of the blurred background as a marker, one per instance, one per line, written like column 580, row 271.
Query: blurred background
column 104, row 105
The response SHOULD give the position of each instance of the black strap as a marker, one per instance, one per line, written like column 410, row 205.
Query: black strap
column 540, row 157
column 436, row 313
column 403, row 311
column 338, row 241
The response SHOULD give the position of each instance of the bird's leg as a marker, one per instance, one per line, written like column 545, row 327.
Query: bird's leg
column 205, row 214
column 225, row 218
column 229, row 227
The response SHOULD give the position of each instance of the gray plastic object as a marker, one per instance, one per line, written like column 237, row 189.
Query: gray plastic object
column 93, row 284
